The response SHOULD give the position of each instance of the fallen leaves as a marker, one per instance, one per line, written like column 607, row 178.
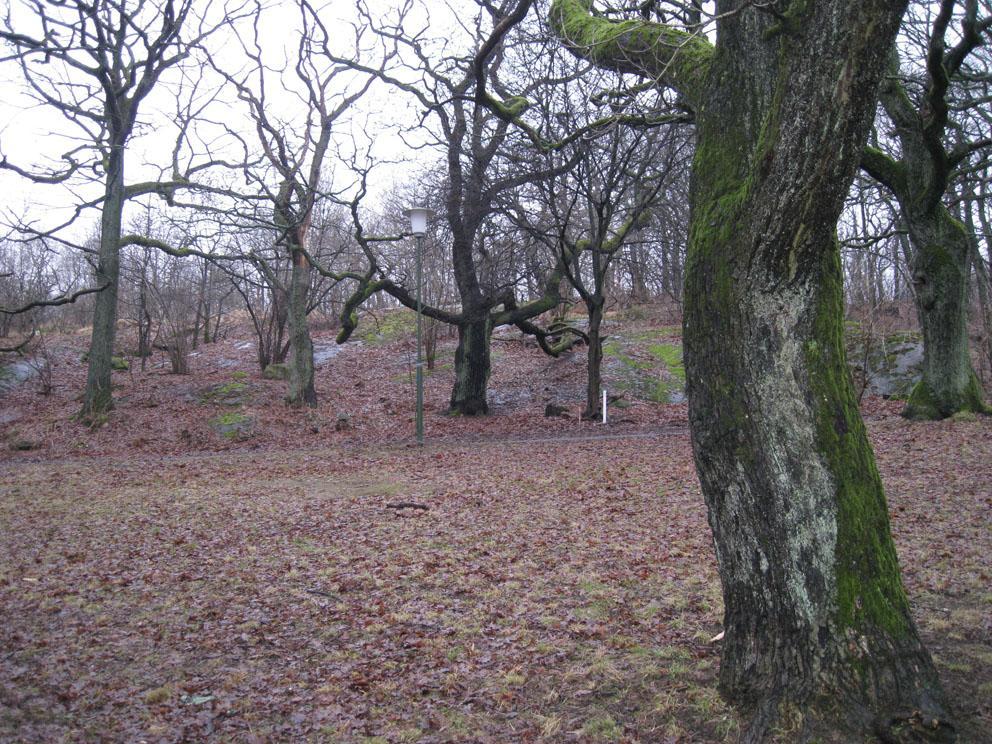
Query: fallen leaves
column 548, row 590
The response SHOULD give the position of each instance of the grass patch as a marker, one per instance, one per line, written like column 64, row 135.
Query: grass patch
column 305, row 545
column 158, row 695
column 657, row 333
column 646, row 366
column 602, row 728
column 671, row 381
column 671, row 355
column 229, row 388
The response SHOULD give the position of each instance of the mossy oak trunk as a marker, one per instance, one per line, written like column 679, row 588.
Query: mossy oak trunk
column 301, row 370
column 472, row 367
column 941, row 268
column 941, row 245
column 816, row 618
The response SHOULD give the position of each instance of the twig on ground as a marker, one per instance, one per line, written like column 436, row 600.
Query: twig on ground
column 407, row 505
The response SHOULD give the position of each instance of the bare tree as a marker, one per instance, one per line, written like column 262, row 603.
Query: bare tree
column 95, row 63
column 473, row 133
column 293, row 142
column 591, row 213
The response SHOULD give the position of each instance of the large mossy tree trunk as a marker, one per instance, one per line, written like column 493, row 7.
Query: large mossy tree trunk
column 472, row 366
column 941, row 269
column 301, row 369
column 817, row 624
column 98, row 395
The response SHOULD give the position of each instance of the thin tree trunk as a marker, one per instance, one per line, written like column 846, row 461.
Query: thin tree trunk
column 301, row 369
column 594, row 365
column 984, row 304
column 982, row 280
column 144, row 319
column 201, row 318
column 278, row 323
column 637, row 262
column 897, row 290
column 98, row 397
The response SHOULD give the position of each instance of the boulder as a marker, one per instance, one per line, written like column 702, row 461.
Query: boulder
column 276, row 372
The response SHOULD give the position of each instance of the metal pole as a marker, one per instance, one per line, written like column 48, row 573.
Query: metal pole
column 420, row 359
column 604, row 405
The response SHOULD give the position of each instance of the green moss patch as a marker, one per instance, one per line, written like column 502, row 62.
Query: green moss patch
column 234, row 393
column 387, row 327
column 653, row 372
column 276, row 372
column 233, row 425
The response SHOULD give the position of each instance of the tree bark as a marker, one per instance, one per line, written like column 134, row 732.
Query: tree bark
column 817, row 623
column 472, row 366
column 301, row 369
column 594, row 365
column 941, row 269
column 940, row 260
column 98, row 396
column 144, row 320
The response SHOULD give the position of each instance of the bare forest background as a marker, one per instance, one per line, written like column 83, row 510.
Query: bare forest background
column 274, row 207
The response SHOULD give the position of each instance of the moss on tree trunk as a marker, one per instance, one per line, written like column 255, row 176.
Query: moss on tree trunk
column 941, row 270
column 940, row 259
column 98, row 397
column 594, row 366
column 816, row 616
column 816, row 619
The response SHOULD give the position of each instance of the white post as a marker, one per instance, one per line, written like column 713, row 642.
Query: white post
column 604, row 405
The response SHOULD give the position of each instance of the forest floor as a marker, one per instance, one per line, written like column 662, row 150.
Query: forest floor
column 211, row 565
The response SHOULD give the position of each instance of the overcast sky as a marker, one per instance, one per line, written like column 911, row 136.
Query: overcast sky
column 32, row 134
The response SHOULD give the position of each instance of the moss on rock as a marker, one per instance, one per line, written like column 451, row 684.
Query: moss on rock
column 276, row 372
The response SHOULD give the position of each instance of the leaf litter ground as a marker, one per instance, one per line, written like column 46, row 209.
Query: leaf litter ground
column 552, row 591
